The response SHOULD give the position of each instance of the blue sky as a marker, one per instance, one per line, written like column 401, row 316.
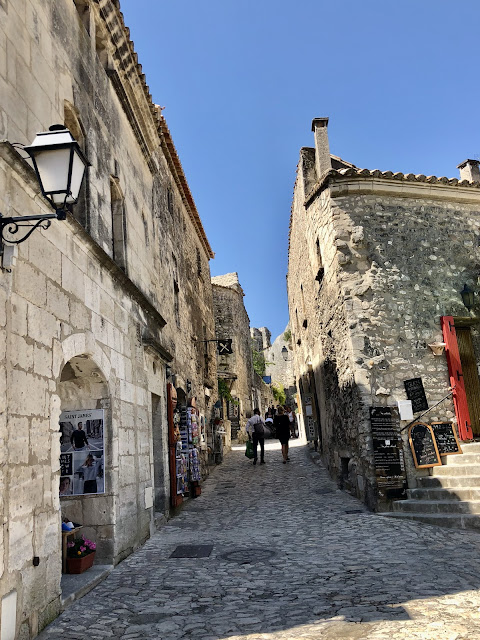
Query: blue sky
column 241, row 81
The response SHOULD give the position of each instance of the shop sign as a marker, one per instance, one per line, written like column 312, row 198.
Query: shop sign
column 82, row 446
column 224, row 347
column 388, row 452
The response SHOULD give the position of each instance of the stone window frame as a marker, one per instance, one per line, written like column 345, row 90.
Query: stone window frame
column 73, row 122
column 119, row 224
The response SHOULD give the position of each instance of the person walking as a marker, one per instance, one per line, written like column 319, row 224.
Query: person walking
column 282, row 429
column 256, row 432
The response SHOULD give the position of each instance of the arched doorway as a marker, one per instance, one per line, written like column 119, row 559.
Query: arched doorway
column 85, row 488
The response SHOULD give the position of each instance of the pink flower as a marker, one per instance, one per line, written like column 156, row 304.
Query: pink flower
column 82, row 549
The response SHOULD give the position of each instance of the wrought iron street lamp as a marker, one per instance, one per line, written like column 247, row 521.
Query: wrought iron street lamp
column 60, row 166
column 468, row 296
column 285, row 353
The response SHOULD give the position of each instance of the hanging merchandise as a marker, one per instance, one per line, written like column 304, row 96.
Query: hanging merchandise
column 182, row 431
column 195, row 475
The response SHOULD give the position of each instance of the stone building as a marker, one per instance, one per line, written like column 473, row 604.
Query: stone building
column 279, row 365
column 97, row 310
column 236, row 370
column 377, row 261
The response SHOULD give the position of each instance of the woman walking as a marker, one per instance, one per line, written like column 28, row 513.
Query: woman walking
column 282, row 430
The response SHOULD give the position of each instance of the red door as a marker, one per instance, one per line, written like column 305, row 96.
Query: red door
column 456, row 378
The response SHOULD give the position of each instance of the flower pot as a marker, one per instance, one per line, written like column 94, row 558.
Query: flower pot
column 79, row 565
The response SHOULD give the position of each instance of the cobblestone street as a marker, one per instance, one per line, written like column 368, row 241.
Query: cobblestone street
column 306, row 561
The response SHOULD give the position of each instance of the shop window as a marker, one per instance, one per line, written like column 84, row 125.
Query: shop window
column 119, row 231
column 74, row 125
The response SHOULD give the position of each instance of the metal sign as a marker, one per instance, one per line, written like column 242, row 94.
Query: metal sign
column 224, row 347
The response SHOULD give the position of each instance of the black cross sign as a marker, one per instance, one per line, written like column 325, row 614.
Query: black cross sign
column 224, row 347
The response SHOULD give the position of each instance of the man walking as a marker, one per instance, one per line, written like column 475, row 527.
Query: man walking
column 256, row 433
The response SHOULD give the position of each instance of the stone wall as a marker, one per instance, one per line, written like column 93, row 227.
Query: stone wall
column 374, row 261
column 279, row 369
column 93, row 308
column 231, row 321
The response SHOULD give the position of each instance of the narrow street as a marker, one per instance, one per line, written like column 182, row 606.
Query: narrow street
column 292, row 557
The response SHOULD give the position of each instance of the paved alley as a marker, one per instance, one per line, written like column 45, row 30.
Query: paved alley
column 292, row 557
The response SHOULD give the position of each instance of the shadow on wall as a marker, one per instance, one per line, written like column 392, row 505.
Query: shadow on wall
column 343, row 437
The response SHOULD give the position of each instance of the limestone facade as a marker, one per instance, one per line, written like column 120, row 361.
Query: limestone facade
column 375, row 260
column 281, row 369
column 232, row 321
column 93, row 309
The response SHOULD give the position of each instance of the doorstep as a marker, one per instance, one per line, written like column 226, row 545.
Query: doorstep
column 75, row 586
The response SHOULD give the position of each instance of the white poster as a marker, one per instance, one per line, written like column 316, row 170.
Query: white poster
column 82, row 447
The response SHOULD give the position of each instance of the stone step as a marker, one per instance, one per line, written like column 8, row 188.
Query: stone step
column 450, row 520
column 470, row 447
column 457, row 470
column 437, row 506
column 440, row 493
column 463, row 482
column 461, row 459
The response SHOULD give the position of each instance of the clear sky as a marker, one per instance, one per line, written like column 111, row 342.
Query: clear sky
column 241, row 81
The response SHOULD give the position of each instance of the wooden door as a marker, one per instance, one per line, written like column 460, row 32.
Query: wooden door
column 455, row 373
column 470, row 376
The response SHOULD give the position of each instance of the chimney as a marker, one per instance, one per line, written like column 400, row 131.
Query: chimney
column 469, row 170
column 323, row 162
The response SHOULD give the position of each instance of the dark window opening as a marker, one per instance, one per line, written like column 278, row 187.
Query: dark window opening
column 119, row 230
column 199, row 263
column 170, row 201
column 74, row 125
column 83, row 11
column 176, row 303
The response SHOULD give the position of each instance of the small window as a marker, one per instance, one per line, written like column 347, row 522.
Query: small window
column 119, row 230
column 176, row 303
column 170, row 201
column 199, row 263
column 83, row 11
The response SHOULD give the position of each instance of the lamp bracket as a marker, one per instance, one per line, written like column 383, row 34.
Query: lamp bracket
column 11, row 226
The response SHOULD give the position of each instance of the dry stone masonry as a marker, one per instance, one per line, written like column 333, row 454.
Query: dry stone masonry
column 375, row 259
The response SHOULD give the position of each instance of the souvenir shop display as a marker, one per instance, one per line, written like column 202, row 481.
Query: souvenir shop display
column 186, row 437
column 181, row 452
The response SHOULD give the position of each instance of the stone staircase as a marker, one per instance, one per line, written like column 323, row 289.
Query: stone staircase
column 450, row 497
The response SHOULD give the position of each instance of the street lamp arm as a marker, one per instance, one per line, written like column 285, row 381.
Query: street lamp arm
column 11, row 226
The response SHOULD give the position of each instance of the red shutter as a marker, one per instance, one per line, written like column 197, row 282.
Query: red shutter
column 456, row 378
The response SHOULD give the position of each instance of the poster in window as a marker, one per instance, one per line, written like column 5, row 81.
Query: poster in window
column 82, row 446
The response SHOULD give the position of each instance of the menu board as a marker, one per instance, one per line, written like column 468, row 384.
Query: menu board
column 446, row 438
column 387, row 451
column 424, row 448
column 416, row 393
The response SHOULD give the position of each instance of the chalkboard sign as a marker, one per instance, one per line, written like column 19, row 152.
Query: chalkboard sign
column 387, row 451
column 446, row 438
column 423, row 446
column 416, row 393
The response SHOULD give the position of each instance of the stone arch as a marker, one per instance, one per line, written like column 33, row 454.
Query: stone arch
column 83, row 387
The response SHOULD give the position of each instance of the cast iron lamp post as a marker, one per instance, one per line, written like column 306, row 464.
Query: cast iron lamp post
column 468, row 296
column 60, row 166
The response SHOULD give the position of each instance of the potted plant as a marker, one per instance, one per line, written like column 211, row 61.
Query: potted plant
column 80, row 555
